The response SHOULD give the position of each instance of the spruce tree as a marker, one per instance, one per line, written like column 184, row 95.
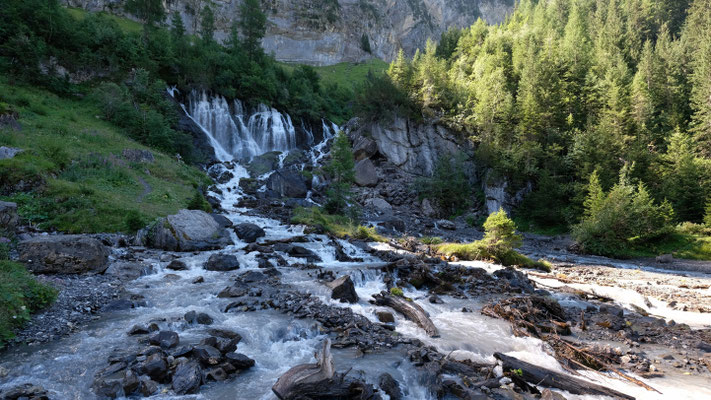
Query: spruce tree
column 254, row 24
column 207, row 24
column 148, row 11
column 342, row 174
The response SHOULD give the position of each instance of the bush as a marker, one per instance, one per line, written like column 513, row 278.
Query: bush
column 198, row 202
column 448, row 186
column 337, row 225
column 20, row 295
column 396, row 291
column 623, row 219
column 135, row 221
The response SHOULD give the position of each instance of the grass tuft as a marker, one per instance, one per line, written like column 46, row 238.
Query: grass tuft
column 336, row 225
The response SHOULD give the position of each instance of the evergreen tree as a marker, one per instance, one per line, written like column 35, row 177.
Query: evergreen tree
column 342, row 174
column 207, row 24
column 177, row 28
column 254, row 24
column 596, row 196
column 707, row 216
column 365, row 43
column 500, row 233
column 148, row 11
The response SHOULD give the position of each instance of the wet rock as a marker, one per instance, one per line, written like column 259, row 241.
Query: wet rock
column 249, row 232
column 394, row 224
column 516, row 279
column 365, row 173
column 302, row 252
column 434, row 299
column 165, row 339
column 548, row 394
column 64, row 254
column 8, row 216
column 187, row 378
column 239, row 361
column 665, row 259
column 188, row 230
column 207, row 355
column 390, row 386
column 343, row 290
column 194, row 317
column 287, row 182
column 147, row 386
column 224, row 333
column 385, row 316
column 177, row 265
column 199, row 279
column 138, row 330
column 222, row 262
column 222, row 220
column 216, row 374
column 130, row 382
column 238, row 289
column 156, row 367
column 26, row 391
column 226, row 345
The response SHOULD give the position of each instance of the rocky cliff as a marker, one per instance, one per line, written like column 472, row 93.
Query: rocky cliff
column 323, row 32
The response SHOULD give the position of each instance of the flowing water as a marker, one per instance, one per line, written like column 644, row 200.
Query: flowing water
column 276, row 341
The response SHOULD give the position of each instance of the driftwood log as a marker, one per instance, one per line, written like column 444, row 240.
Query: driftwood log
column 321, row 382
column 409, row 309
column 545, row 377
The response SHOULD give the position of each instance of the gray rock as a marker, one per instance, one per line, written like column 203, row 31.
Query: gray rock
column 8, row 216
column 665, row 259
column 380, row 205
column 264, row 163
column 187, row 378
column 8, row 152
column 390, row 386
column 156, row 367
column 65, row 254
column 365, row 173
column 222, row 262
column 364, row 147
column 147, row 386
column 207, row 355
column 177, row 265
column 188, row 230
column 138, row 156
column 343, row 290
column 428, row 209
column 288, row 182
column 249, row 232
column 446, row 224
column 127, row 270
column 24, row 391
column 194, row 317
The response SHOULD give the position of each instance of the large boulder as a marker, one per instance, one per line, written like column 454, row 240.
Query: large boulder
column 188, row 230
column 364, row 147
column 64, row 254
column 288, row 182
column 222, row 262
column 264, row 163
column 365, row 173
column 249, row 232
column 343, row 290
column 8, row 216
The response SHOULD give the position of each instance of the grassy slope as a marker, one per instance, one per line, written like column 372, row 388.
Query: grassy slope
column 125, row 24
column 347, row 74
column 82, row 182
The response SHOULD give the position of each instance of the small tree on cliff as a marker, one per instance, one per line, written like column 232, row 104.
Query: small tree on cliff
column 341, row 170
column 148, row 11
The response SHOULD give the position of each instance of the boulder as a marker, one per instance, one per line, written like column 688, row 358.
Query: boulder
column 8, row 152
column 187, row 378
column 207, row 355
column 288, row 182
column 249, row 232
column 665, row 258
column 428, row 209
column 64, row 254
column 177, row 265
column 194, row 317
column 24, row 391
column 365, row 173
column 385, row 316
column 128, row 270
column 239, row 361
column 390, row 386
column 188, row 230
column 222, row 262
column 364, row 147
column 8, row 216
column 147, row 386
column 264, row 163
column 380, row 205
column 446, row 224
column 343, row 290
column 156, row 367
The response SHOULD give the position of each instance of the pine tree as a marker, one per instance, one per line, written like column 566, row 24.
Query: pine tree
column 596, row 196
column 500, row 233
column 696, row 34
column 148, row 11
column 207, row 24
column 177, row 29
column 254, row 25
column 400, row 70
column 342, row 174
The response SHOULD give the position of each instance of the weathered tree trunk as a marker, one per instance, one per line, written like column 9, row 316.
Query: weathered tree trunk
column 320, row 382
column 544, row 377
column 409, row 309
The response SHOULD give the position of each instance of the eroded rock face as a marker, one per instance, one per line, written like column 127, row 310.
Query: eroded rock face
column 307, row 31
column 188, row 230
column 8, row 216
column 64, row 254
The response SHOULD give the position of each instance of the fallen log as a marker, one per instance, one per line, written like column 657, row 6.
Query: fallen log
column 320, row 382
column 409, row 309
column 545, row 377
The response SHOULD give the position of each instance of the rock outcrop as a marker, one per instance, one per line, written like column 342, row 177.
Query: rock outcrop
column 329, row 32
column 8, row 217
column 188, row 230
column 64, row 254
column 287, row 182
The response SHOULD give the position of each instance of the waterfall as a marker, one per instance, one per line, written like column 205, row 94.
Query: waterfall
column 236, row 133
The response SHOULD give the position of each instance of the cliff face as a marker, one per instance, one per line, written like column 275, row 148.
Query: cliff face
column 323, row 32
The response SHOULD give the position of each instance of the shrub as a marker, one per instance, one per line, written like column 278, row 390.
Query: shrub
column 431, row 240
column 500, row 236
column 625, row 218
column 134, row 221
column 396, row 291
column 20, row 295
